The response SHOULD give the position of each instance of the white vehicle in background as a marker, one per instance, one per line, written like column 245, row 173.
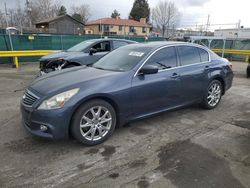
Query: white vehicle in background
column 12, row 31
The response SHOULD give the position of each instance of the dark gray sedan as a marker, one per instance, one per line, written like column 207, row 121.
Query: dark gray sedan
column 132, row 82
column 84, row 53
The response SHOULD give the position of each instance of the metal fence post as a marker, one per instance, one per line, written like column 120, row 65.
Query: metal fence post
column 61, row 39
column 16, row 62
column 11, row 48
column 223, row 48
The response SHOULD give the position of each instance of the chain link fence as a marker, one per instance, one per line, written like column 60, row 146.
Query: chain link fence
column 63, row 42
column 51, row 42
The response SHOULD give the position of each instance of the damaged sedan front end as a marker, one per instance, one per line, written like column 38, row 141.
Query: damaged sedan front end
column 84, row 53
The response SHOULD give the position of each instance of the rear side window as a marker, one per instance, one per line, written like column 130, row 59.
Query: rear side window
column 204, row 55
column 188, row 55
column 118, row 44
column 164, row 58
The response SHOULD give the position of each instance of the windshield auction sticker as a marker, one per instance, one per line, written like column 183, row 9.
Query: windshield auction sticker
column 138, row 54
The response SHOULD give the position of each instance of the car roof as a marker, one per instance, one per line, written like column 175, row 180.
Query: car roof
column 152, row 46
column 111, row 39
column 159, row 44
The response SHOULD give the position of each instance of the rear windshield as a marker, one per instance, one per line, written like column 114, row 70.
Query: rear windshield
column 122, row 59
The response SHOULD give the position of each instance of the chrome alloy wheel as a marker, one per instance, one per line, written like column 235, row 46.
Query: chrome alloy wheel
column 95, row 123
column 214, row 94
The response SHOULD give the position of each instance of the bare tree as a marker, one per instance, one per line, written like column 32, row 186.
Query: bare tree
column 36, row 10
column 2, row 20
column 165, row 15
column 43, row 9
column 17, row 17
column 83, row 10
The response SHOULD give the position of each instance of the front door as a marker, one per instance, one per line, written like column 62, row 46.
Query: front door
column 102, row 48
column 155, row 92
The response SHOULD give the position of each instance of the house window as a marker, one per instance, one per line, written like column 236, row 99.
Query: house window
column 131, row 29
column 144, row 30
column 106, row 27
column 111, row 26
column 120, row 28
column 100, row 27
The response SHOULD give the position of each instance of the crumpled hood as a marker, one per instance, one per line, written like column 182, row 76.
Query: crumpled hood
column 65, row 55
column 67, row 79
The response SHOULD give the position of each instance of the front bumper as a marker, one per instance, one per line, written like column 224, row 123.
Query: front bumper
column 57, row 122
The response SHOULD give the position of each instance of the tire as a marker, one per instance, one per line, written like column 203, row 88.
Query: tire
column 213, row 95
column 93, row 122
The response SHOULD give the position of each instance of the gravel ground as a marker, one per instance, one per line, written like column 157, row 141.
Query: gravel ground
column 190, row 147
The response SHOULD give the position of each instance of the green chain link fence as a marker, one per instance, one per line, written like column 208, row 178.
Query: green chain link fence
column 63, row 42
column 50, row 42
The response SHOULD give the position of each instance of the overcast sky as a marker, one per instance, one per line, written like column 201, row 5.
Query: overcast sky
column 192, row 11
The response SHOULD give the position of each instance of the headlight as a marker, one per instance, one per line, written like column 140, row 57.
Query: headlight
column 58, row 101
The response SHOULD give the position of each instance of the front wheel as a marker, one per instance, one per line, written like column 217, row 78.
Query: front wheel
column 213, row 95
column 93, row 122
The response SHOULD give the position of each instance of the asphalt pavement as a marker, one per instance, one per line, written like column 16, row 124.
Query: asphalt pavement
column 188, row 148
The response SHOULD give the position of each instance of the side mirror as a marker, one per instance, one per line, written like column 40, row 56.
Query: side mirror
column 149, row 69
column 92, row 51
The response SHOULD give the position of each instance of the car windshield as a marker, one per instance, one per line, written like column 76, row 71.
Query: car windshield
column 122, row 59
column 80, row 47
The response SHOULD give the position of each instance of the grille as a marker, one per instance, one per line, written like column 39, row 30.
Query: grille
column 29, row 98
column 43, row 64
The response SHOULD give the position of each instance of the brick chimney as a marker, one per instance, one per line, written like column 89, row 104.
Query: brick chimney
column 143, row 20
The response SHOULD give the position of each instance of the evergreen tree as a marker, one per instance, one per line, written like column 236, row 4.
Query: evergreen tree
column 140, row 10
column 62, row 11
column 78, row 17
column 115, row 14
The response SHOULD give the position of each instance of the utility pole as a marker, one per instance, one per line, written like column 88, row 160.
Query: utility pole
column 29, row 12
column 238, row 32
column 6, row 14
column 173, row 31
column 208, row 22
column 239, row 23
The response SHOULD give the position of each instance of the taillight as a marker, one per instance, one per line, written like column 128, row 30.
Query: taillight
column 230, row 65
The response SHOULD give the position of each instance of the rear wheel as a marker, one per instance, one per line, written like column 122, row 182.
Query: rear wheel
column 93, row 122
column 213, row 95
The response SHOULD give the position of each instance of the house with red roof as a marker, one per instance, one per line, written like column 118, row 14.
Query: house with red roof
column 118, row 26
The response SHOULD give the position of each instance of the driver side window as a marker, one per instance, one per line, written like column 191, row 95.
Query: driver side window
column 164, row 58
column 102, row 46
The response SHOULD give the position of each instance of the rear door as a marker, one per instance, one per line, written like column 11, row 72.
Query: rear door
column 194, row 63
